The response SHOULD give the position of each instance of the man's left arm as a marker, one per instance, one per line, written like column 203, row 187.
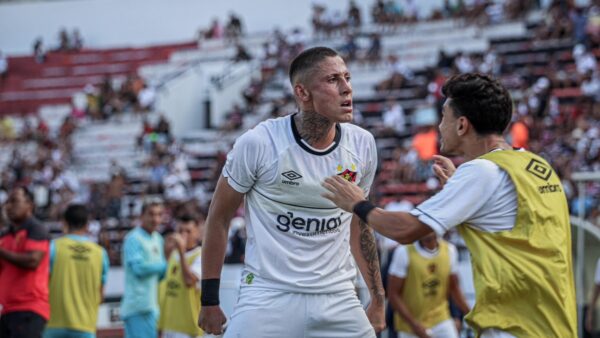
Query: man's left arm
column 364, row 250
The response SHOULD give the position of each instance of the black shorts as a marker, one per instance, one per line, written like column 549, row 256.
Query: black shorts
column 21, row 324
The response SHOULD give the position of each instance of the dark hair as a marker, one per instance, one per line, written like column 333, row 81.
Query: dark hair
column 151, row 203
column 76, row 216
column 28, row 195
column 308, row 59
column 189, row 217
column 482, row 100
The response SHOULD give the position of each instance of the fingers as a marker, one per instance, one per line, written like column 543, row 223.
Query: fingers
column 444, row 162
column 440, row 172
column 329, row 186
column 329, row 196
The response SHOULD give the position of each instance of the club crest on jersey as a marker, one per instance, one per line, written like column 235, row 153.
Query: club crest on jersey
column 347, row 174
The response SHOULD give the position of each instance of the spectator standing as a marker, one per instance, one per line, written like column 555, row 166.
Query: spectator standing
column 144, row 264
column 38, row 51
column 79, row 265
column 24, row 266
column 3, row 66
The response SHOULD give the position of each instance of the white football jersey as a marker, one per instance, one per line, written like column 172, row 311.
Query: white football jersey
column 298, row 241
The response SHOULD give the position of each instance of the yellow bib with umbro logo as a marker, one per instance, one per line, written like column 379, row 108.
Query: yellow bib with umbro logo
column 179, row 304
column 524, row 277
column 75, row 285
column 425, row 290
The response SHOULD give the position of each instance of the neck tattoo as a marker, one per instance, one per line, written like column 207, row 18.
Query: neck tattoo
column 312, row 127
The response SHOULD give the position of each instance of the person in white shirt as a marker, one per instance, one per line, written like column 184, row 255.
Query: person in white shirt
column 424, row 311
column 299, row 269
column 509, row 206
column 3, row 66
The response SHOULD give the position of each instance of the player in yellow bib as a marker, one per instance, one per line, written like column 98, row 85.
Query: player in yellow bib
column 421, row 278
column 180, row 298
column 510, row 208
column 78, row 269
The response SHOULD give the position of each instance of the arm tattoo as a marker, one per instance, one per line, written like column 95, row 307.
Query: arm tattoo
column 368, row 248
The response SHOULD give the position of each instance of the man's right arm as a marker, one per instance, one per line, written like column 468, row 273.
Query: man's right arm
column 135, row 259
column 225, row 202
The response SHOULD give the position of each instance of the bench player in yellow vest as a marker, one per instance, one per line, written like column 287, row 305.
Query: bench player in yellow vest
column 78, row 269
column 510, row 208
column 180, row 298
column 421, row 278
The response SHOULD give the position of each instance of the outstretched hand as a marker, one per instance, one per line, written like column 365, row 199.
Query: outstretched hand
column 342, row 192
column 443, row 168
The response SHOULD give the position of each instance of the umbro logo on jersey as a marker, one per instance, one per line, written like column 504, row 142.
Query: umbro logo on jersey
column 291, row 176
column 539, row 169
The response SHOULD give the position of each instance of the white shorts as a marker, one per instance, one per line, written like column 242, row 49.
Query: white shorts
column 173, row 334
column 277, row 314
column 445, row 329
column 495, row 333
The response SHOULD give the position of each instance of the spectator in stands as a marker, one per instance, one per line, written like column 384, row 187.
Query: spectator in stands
column 394, row 119
column 373, row 54
column 114, row 195
column 39, row 53
column 585, row 60
column 76, row 40
column 241, row 54
column 234, row 29
column 444, row 60
column 180, row 304
column 64, row 42
column 144, row 264
column 400, row 75
column 3, row 66
column 24, row 248
column 463, row 63
column 235, row 118
column 81, row 267
column 146, row 97
column 411, row 11
column 215, row 31
column 378, row 12
column 349, row 49
column 354, row 16
column 421, row 278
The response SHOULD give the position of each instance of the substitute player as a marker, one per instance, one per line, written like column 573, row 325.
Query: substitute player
column 421, row 277
column 145, row 265
column 180, row 303
column 78, row 270
column 298, row 278
column 509, row 207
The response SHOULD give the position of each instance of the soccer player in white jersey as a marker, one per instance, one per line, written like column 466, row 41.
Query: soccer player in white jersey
column 298, row 278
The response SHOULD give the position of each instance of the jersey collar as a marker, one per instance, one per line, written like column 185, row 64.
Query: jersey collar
column 336, row 139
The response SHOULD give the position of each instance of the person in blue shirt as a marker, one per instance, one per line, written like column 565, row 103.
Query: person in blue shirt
column 145, row 265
